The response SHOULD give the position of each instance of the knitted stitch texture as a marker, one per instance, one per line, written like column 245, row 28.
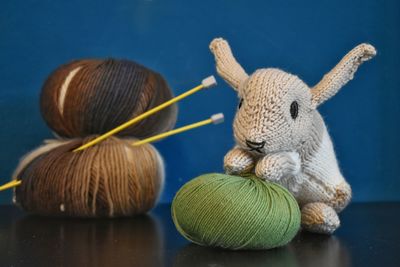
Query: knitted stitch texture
column 111, row 179
column 282, row 137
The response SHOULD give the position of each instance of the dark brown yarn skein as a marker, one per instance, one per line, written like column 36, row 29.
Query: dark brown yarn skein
column 110, row 179
column 93, row 96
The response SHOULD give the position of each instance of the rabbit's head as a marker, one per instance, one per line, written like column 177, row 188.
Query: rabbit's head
column 276, row 109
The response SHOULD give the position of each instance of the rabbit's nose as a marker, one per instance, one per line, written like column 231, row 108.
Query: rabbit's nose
column 255, row 145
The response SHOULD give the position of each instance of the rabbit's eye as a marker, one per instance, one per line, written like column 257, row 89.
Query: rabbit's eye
column 240, row 103
column 294, row 109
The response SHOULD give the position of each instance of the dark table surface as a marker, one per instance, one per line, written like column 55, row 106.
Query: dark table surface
column 369, row 236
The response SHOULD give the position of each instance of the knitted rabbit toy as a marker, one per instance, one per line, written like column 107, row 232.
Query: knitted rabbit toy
column 281, row 136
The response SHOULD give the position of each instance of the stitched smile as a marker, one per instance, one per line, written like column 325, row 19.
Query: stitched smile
column 255, row 146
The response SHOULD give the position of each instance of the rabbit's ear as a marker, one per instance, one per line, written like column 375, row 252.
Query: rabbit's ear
column 341, row 74
column 227, row 66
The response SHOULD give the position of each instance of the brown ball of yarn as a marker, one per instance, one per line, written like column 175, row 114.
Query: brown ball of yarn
column 110, row 179
column 94, row 96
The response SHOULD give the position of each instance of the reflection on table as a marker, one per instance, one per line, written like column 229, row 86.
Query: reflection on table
column 369, row 236
column 135, row 241
column 305, row 250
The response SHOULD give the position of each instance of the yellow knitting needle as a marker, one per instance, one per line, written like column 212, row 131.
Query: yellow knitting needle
column 215, row 119
column 206, row 83
column 11, row 184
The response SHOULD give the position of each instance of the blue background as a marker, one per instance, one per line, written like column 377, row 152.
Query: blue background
column 303, row 37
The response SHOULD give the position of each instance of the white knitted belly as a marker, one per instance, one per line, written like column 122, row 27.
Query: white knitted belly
column 320, row 175
column 323, row 165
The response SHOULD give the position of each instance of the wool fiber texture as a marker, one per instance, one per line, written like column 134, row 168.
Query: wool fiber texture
column 110, row 179
column 238, row 213
column 87, row 97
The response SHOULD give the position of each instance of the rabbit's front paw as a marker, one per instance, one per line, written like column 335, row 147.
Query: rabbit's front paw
column 275, row 166
column 268, row 169
column 266, row 174
column 238, row 161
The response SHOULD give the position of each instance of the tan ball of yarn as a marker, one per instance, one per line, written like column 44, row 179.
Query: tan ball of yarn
column 110, row 179
column 93, row 96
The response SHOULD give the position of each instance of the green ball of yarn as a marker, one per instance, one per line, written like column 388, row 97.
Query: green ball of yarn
column 235, row 212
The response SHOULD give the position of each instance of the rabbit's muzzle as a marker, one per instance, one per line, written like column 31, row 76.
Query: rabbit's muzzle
column 255, row 146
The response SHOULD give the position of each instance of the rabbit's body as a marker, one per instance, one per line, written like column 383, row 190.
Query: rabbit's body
column 281, row 136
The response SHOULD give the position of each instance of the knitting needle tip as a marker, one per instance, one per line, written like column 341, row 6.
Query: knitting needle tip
column 209, row 82
column 217, row 118
column 214, row 119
